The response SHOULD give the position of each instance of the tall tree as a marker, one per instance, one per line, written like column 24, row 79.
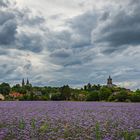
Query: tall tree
column 5, row 88
column 104, row 94
column 65, row 92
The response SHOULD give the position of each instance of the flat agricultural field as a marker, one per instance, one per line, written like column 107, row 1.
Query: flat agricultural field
column 42, row 120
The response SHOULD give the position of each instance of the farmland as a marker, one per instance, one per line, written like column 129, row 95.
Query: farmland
column 42, row 120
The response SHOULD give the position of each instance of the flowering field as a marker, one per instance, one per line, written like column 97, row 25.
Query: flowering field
column 69, row 121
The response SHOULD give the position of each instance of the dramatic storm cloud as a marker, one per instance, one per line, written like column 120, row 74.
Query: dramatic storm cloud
column 56, row 42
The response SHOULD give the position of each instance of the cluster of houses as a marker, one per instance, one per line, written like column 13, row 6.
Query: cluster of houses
column 14, row 94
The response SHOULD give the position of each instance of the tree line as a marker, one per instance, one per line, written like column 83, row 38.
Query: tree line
column 87, row 93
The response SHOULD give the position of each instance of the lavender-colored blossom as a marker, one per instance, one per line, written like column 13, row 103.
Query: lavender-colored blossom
column 68, row 120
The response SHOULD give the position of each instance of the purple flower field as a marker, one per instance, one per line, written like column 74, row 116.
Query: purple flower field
column 69, row 121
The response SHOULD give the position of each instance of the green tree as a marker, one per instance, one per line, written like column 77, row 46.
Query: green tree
column 56, row 97
column 135, row 97
column 112, row 98
column 96, row 87
column 104, row 94
column 18, row 88
column 122, row 96
column 93, row 96
column 89, row 86
column 82, row 95
column 5, row 88
column 74, row 94
column 65, row 92
column 85, row 87
column 30, row 97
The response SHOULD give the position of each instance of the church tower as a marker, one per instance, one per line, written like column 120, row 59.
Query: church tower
column 27, row 83
column 109, row 82
column 23, row 83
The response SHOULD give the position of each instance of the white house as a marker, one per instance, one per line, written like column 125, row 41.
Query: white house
column 2, row 97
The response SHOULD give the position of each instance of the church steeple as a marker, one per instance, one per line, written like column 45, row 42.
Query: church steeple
column 109, row 81
column 23, row 83
column 27, row 83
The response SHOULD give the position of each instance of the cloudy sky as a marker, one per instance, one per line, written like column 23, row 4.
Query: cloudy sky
column 57, row 42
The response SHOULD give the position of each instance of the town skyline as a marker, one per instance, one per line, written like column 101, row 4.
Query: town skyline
column 109, row 82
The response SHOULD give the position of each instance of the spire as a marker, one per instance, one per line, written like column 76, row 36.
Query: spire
column 109, row 77
column 27, row 83
column 109, row 81
column 23, row 83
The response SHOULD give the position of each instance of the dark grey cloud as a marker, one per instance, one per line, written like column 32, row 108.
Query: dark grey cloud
column 68, row 47
column 73, row 63
column 58, row 40
column 8, row 32
column 7, row 69
column 61, row 54
column 4, row 3
column 6, row 16
column 8, row 27
column 119, row 28
column 82, row 25
column 12, row 28
column 30, row 41
column 20, row 34
column 77, row 36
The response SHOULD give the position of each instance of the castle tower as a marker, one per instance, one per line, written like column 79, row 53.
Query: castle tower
column 23, row 83
column 109, row 82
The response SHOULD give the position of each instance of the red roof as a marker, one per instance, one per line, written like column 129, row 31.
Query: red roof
column 16, row 94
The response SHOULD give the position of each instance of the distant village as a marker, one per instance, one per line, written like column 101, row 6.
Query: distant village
column 108, row 92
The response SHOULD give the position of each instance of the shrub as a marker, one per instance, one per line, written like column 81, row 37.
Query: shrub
column 93, row 96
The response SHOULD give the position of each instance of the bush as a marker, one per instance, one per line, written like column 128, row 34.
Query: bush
column 122, row 96
column 93, row 96
column 128, row 100
column 56, row 97
column 104, row 94
column 65, row 92
column 112, row 98
column 135, row 97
